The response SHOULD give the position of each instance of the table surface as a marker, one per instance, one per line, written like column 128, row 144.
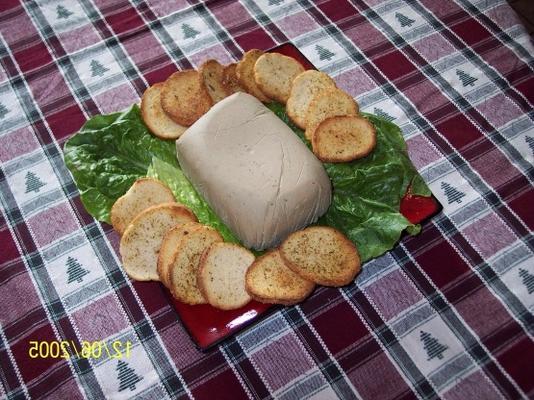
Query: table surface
column 447, row 313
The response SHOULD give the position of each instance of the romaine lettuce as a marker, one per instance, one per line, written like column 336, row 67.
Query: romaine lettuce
column 108, row 154
column 111, row 151
column 367, row 192
column 186, row 194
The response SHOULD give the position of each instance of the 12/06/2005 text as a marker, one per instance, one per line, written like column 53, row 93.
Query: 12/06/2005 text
column 85, row 349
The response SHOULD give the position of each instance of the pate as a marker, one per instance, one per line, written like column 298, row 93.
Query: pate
column 254, row 171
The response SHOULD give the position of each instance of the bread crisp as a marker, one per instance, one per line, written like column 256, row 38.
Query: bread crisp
column 304, row 87
column 157, row 121
column 221, row 275
column 144, row 193
column 270, row 280
column 322, row 255
column 343, row 139
column 245, row 74
column 167, row 251
column 274, row 74
column 326, row 104
column 184, row 97
column 230, row 81
column 183, row 271
column 212, row 73
column 141, row 242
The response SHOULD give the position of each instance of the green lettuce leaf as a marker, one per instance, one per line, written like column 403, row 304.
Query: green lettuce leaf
column 108, row 154
column 367, row 192
column 111, row 151
column 186, row 194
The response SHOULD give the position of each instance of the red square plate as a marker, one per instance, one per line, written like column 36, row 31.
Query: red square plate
column 208, row 326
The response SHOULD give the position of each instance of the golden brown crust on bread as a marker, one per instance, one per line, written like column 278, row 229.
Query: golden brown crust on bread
column 167, row 251
column 270, row 280
column 184, row 97
column 303, row 88
column 183, row 272
column 245, row 74
column 321, row 254
column 343, row 139
column 230, row 81
column 221, row 275
column 212, row 73
column 274, row 74
column 325, row 104
column 157, row 121
column 144, row 193
column 141, row 242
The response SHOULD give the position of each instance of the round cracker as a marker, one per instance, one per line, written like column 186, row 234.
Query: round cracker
column 230, row 81
column 157, row 121
column 140, row 244
column 212, row 74
column 274, row 74
column 221, row 275
column 184, row 97
column 303, row 88
column 321, row 254
column 167, row 251
column 343, row 139
column 144, row 193
column 245, row 74
column 326, row 104
column 183, row 272
column 270, row 280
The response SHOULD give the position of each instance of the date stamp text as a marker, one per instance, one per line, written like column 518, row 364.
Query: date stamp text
column 69, row 348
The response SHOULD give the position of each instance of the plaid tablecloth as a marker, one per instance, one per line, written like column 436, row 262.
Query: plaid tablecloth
column 445, row 314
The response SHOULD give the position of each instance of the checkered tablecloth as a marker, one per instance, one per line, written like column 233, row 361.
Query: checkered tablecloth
column 446, row 314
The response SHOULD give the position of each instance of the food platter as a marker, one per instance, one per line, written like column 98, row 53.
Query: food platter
column 208, row 326
column 257, row 201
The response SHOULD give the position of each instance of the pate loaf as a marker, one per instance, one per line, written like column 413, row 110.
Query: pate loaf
column 256, row 174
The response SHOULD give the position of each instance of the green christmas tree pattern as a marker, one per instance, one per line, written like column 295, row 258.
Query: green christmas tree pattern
column 466, row 79
column 384, row 115
column 3, row 111
column 127, row 376
column 75, row 271
column 528, row 139
column 324, row 54
column 62, row 12
column 33, row 183
column 189, row 32
column 528, row 280
column 453, row 194
column 97, row 69
column 404, row 20
column 434, row 349
column 275, row 2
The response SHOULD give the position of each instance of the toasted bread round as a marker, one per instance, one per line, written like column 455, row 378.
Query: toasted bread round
column 303, row 88
column 212, row 73
column 155, row 118
column 343, row 139
column 274, row 74
column 322, row 255
column 245, row 74
column 230, row 81
column 183, row 271
column 326, row 104
column 168, row 248
column 140, row 244
column 144, row 193
column 270, row 280
column 184, row 97
column 221, row 275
